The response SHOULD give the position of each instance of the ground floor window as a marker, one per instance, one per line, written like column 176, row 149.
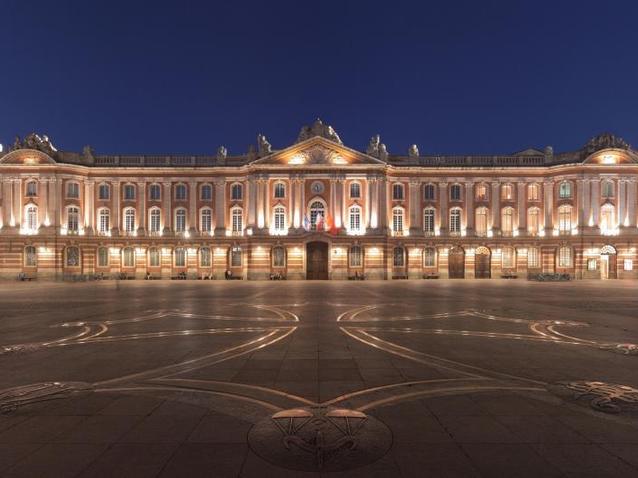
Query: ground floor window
column 398, row 257
column 508, row 257
column 153, row 257
column 565, row 257
column 235, row 257
column 628, row 265
column 102, row 257
column 533, row 258
column 30, row 256
column 72, row 256
column 356, row 256
column 204, row 257
column 128, row 257
column 278, row 257
column 180, row 257
column 429, row 257
column 592, row 264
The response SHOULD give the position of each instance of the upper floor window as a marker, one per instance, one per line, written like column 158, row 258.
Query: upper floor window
column 429, row 257
column 72, row 190
column 154, row 220
column 507, row 192
column 154, row 192
column 455, row 220
column 180, row 220
column 608, row 189
column 237, row 220
column 533, row 192
column 129, row 220
column 104, row 221
column 104, row 192
column 455, row 192
column 507, row 221
column 355, row 219
column 398, row 257
column 428, row 220
column 397, row 220
column 565, row 190
column 73, row 219
column 533, row 221
column 279, row 219
column 429, row 192
column 32, row 218
column 280, row 190
column 565, row 219
column 316, row 215
column 206, row 192
column 397, row 192
column 236, row 192
column 206, row 220
column 32, row 189
column 355, row 191
column 355, row 256
column 481, row 221
column 481, row 192
column 180, row 192
column 129, row 192
column 278, row 256
column 607, row 213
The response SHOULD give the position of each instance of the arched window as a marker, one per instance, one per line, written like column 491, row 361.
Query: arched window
column 397, row 191
column 397, row 220
column 279, row 219
column 398, row 257
column 104, row 192
column 565, row 190
column 608, row 189
column 429, row 192
column 507, row 192
column 104, row 221
column 316, row 215
column 354, row 219
column 278, row 257
column 235, row 256
column 507, row 221
column 30, row 256
column 129, row 192
column 237, row 220
column 154, row 220
column 72, row 219
column 153, row 257
column 102, row 257
column 533, row 192
column 481, row 192
column 180, row 257
column 129, row 220
column 355, row 256
column 72, row 256
column 204, row 257
column 32, row 218
column 607, row 213
column 355, row 191
column 72, row 190
column 32, row 189
column 565, row 219
column 455, row 220
column 206, row 220
column 428, row 220
column 455, row 192
column 280, row 190
column 155, row 192
column 533, row 258
column 565, row 256
column 128, row 257
column 180, row 192
column 481, row 221
column 508, row 258
column 236, row 192
column 429, row 257
column 206, row 192
column 533, row 221
column 180, row 220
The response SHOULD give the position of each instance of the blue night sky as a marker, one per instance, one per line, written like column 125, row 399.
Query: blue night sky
column 451, row 76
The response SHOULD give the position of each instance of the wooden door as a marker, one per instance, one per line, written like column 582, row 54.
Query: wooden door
column 482, row 266
column 612, row 271
column 317, row 261
column 456, row 263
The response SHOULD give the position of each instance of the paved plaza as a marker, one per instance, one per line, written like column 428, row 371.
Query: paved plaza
column 363, row 379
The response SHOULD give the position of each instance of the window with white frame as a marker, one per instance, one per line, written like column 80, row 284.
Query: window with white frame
column 236, row 192
column 533, row 192
column 154, row 192
column 73, row 219
column 102, row 257
column 206, row 192
column 455, row 220
column 104, row 221
column 237, row 220
column 355, row 219
column 398, row 257
column 428, row 220
column 355, row 191
column 180, row 220
column 317, row 210
column 128, row 257
column 204, row 257
column 607, row 213
column 592, row 264
column 72, row 256
column 565, row 256
column 129, row 192
column 397, row 191
column 508, row 258
column 280, row 190
column 153, row 257
column 628, row 264
column 608, row 189
column 429, row 192
column 104, row 192
column 206, row 220
column 154, row 220
column 279, row 219
column 235, row 256
column 533, row 221
column 30, row 256
column 180, row 192
column 397, row 220
column 180, row 256
column 507, row 221
column 455, row 192
column 129, row 220
column 73, row 190
column 355, row 256
column 32, row 218
column 481, row 221
column 533, row 258
column 565, row 190
column 507, row 192
column 278, row 256
column 481, row 192
column 565, row 219
column 429, row 257
column 32, row 189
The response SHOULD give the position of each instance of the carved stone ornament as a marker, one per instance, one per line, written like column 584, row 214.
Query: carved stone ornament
column 263, row 146
column 604, row 141
column 318, row 129
column 34, row 141
column 321, row 155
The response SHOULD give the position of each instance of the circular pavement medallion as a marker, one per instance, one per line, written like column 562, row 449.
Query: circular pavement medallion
column 320, row 439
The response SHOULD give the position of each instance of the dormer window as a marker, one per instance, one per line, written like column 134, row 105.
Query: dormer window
column 355, row 191
column 397, row 192
column 236, row 192
column 280, row 190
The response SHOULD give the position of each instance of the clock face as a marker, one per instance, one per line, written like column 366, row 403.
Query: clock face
column 316, row 187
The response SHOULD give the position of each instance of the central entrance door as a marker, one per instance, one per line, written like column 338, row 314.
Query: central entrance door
column 317, row 261
column 456, row 263
column 482, row 264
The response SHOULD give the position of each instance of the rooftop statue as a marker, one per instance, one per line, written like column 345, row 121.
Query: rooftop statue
column 603, row 141
column 373, row 146
column 222, row 152
column 87, row 153
column 413, row 151
column 34, row 141
column 264, row 148
column 318, row 129
column 383, row 152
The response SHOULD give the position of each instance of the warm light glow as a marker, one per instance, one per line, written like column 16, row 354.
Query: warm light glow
column 249, row 231
column 297, row 159
column 609, row 159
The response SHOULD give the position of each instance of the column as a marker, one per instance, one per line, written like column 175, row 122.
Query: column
column 142, row 213
column 368, row 204
column 7, row 203
column 587, row 219
column 168, row 213
column 339, row 203
column 443, row 212
column 415, row 206
column 522, row 210
column 631, row 202
column 220, row 207
column 267, row 212
column 595, row 203
column 580, row 203
column 302, row 200
column 622, row 202
column 261, row 220
column 57, row 202
column 469, row 209
column 496, row 209
column 251, row 194
column 548, row 201
column 333, row 198
column 192, row 207
column 382, row 201
column 17, row 201
column 89, row 210
column 42, row 201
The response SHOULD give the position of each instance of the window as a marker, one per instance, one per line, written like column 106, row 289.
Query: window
column 204, row 257
column 533, row 221
column 104, row 221
column 455, row 192
column 73, row 219
column 592, row 264
column 316, row 214
column 102, row 257
column 32, row 189
column 397, row 192
column 129, row 192
column 429, row 192
column 507, row 192
column 154, row 192
column 128, row 257
column 565, row 190
column 129, row 220
column 154, row 220
column 180, row 220
column 355, row 256
column 565, row 256
column 607, row 213
column 481, row 221
column 180, row 192
column 30, row 256
column 32, row 218
column 278, row 257
column 280, row 190
column 608, row 189
column 355, row 219
column 237, row 220
column 236, row 192
column 72, row 256
column 180, row 257
column 279, row 219
column 533, row 258
column 206, row 192
column 429, row 257
column 355, row 191
column 507, row 221
column 206, row 220
column 481, row 192
column 235, row 257
column 565, row 219
column 104, row 192
column 628, row 264
column 455, row 221
column 73, row 190
column 398, row 257
column 153, row 257
column 428, row 220
column 397, row 220
column 533, row 192
column 508, row 258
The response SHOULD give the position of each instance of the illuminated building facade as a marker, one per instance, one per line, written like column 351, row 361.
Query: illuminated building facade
column 319, row 210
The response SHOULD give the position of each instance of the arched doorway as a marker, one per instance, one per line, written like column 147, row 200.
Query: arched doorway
column 456, row 263
column 482, row 263
column 317, row 260
column 608, row 262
